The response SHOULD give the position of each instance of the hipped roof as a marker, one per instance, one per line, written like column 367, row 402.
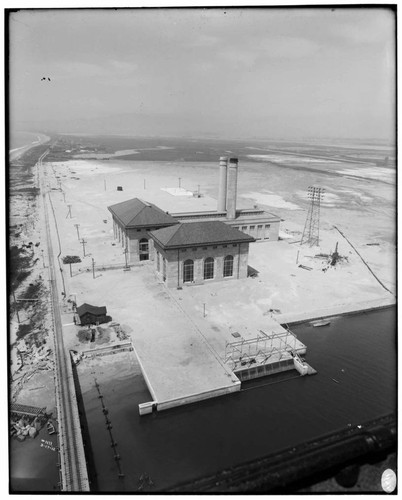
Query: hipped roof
column 138, row 213
column 87, row 308
column 198, row 234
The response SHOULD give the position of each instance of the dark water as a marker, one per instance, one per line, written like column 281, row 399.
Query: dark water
column 184, row 443
column 33, row 464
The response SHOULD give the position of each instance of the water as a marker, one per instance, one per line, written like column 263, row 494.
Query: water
column 20, row 139
column 185, row 443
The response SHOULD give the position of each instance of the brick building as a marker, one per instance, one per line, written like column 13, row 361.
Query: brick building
column 132, row 221
column 196, row 252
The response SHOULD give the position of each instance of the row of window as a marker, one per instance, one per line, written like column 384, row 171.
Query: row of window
column 252, row 232
column 188, row 268
column 194, row 249
column 209, row 268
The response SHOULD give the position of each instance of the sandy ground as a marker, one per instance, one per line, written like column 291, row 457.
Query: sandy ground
column 81, row 190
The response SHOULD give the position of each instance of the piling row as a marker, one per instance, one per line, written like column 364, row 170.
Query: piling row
column 109, row 427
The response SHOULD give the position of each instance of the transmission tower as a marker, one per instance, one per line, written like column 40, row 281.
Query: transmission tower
column 311, row 232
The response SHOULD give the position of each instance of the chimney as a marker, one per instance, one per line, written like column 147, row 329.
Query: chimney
column 223, row 167
column 231, row 189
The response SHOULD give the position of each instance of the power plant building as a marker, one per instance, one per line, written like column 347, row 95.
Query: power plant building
column 261, row 225
column 193, row 247
column 196, row 252
column 132, row 222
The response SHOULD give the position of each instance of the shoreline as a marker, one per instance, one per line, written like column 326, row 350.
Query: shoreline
column 342, row 310
column 14, row 154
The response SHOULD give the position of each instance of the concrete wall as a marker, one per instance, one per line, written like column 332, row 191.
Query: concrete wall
column 175, row 262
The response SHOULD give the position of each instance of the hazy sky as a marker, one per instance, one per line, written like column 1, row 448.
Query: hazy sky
column 230, row 73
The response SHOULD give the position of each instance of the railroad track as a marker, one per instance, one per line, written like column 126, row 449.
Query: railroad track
column 72, row 457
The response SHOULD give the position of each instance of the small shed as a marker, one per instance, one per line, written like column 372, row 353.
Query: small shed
column 91, row 315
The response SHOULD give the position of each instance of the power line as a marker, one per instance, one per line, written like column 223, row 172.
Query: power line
column 311, row 232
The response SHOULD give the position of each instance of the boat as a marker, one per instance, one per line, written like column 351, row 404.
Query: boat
column 320, row 323
column 50, row 427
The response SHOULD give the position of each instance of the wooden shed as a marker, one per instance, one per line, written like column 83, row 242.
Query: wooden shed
column 91, row 315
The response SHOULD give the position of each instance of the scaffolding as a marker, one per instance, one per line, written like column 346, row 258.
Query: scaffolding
column 311, row 232
column 262, row 350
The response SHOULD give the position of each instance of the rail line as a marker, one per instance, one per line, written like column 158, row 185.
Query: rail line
column 72, row 457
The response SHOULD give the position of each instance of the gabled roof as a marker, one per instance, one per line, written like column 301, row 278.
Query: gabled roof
column 198, row 233
column 87, row 308
column 138, row 213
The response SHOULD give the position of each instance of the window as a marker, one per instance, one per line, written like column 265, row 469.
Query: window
column 267, row 229
column 215, row 247
column 234, row 245
column 224, row 246
column 188, row 270
column 228, row 266
column 158, row 264
column 244, row 228
column 259, row 231
column 164, row 269
column 138, row 230
column 205, row 248
column 144, row 249
column 252, row 229
column 194, row 249
column 209, row 268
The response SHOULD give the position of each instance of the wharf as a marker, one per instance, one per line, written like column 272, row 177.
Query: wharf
column 343, row 309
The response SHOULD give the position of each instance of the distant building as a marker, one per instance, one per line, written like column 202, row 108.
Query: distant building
column 196, row 252
column 92, row 315
column 132, row 221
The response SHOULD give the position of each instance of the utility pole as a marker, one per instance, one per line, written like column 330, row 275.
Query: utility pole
column 16, row 308
column 69, row 212
column 126, row 256
column 78, row 232
column 83, row 245
column 93, row 268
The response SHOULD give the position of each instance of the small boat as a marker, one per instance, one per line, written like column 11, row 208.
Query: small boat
column 320, row 323
column 50, row 428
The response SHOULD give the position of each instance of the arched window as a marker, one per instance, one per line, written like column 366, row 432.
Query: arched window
column 228, row 266
column 209, row 268
column 144, row 249
column 188, row 270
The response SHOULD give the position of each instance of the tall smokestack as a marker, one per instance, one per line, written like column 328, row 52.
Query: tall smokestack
column 223, row 167
column 231, row 189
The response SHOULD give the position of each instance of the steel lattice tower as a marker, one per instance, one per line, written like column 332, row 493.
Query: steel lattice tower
column 311, row 232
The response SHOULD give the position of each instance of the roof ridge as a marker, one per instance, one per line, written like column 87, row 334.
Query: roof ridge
column 176, row 227
column 138, row 213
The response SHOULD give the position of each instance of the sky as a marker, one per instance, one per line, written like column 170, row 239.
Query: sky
column 224, row 73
